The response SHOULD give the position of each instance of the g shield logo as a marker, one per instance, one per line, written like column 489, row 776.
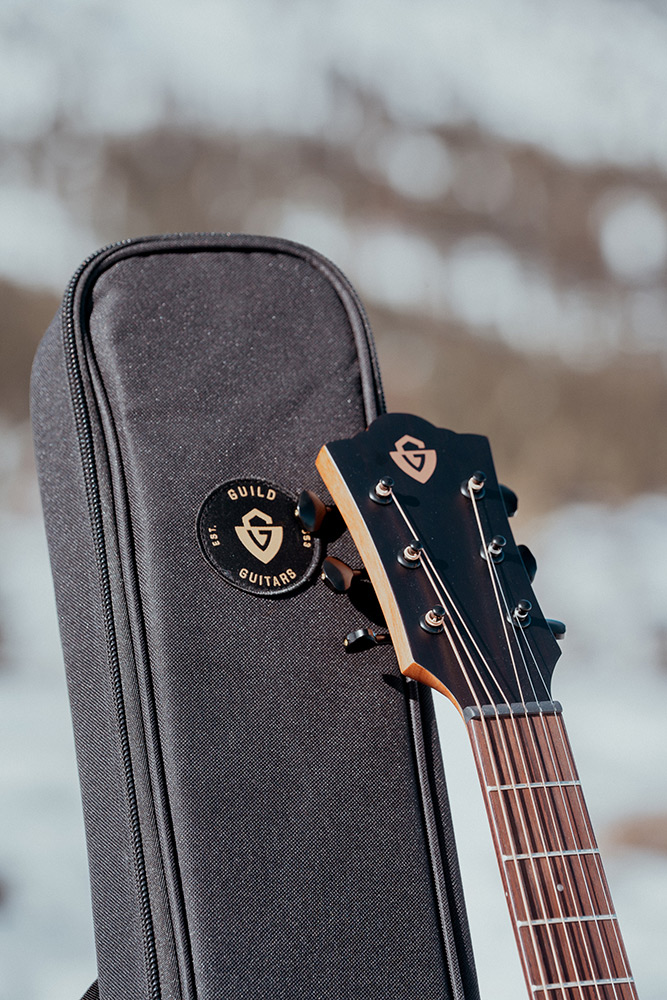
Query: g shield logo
column 249, row 534
column 262, row 541
column 414, row 458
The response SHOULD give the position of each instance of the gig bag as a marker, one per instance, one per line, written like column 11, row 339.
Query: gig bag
column 266, row 815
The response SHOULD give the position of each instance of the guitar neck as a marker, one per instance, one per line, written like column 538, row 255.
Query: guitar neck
column 564, row 921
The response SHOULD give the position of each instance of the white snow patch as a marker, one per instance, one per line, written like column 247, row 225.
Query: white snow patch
column 416, row 164
column 40, row 243
column 633, row 235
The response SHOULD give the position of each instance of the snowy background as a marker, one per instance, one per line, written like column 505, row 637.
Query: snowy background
column 493, row 179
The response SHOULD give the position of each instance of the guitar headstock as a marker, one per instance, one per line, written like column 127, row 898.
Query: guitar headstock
column 428, row 517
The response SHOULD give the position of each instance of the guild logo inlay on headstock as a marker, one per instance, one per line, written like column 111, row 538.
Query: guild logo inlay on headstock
column 414, row 458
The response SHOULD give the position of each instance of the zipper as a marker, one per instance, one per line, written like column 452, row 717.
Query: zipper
column 85, row 439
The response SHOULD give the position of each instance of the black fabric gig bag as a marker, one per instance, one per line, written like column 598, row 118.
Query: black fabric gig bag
column 266, row 816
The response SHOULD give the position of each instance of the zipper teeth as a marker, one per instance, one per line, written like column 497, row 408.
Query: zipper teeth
column 84, row 435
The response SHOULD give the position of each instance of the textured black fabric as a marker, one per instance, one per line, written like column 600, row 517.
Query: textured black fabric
column 92, row 993
column 293, row 841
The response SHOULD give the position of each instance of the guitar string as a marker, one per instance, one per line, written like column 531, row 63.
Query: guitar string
column 587, row 826
column 507, row 618
column 542, row 971
column 576, row 899
column 537, row 755
column 445, row 597
column 578, row 792
column 518, row 633
column 598, row 863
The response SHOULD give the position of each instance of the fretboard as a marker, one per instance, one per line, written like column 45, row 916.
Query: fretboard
column 564, row 921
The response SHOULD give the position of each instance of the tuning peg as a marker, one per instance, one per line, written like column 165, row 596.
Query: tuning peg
column 310, row 511
column 495, row 549
column 521, row 614
column 510, row 499
column 558, row 628
column 529, row 561
column 317, row 517
column 342, row 579
column 365, row 638
column 338, row 575
column 475, row 483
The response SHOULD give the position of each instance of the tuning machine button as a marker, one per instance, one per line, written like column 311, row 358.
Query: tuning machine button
column 338, row 575
column 365, row 638
column 558, row 628
column 510, row 499
column 316, row 517
column 529, row 561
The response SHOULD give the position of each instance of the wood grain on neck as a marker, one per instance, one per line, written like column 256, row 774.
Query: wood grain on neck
column 565, row 925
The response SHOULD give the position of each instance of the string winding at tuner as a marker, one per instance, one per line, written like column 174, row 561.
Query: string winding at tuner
column 487, row 647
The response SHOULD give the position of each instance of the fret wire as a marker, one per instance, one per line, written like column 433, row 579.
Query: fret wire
column 626, row 980
column 537, row 953
column 497, row 591
column 560, row 730
column 566, row 805
column 584, row 917
column 434, row 573
column 493, row 570
column 589, row 829
column 532, row 784
column 502, row 739
column 551, row 854
column 582, row 805
column 579, row 823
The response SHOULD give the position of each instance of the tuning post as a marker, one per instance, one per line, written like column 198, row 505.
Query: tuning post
column 382, row 492
column 495, row 549
column 474, row 485
column 521, row 614
column 365, row 638
column 434, row 619
column 411, row 555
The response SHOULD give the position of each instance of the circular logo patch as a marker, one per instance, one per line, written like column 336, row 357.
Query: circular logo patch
column 249, row 533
